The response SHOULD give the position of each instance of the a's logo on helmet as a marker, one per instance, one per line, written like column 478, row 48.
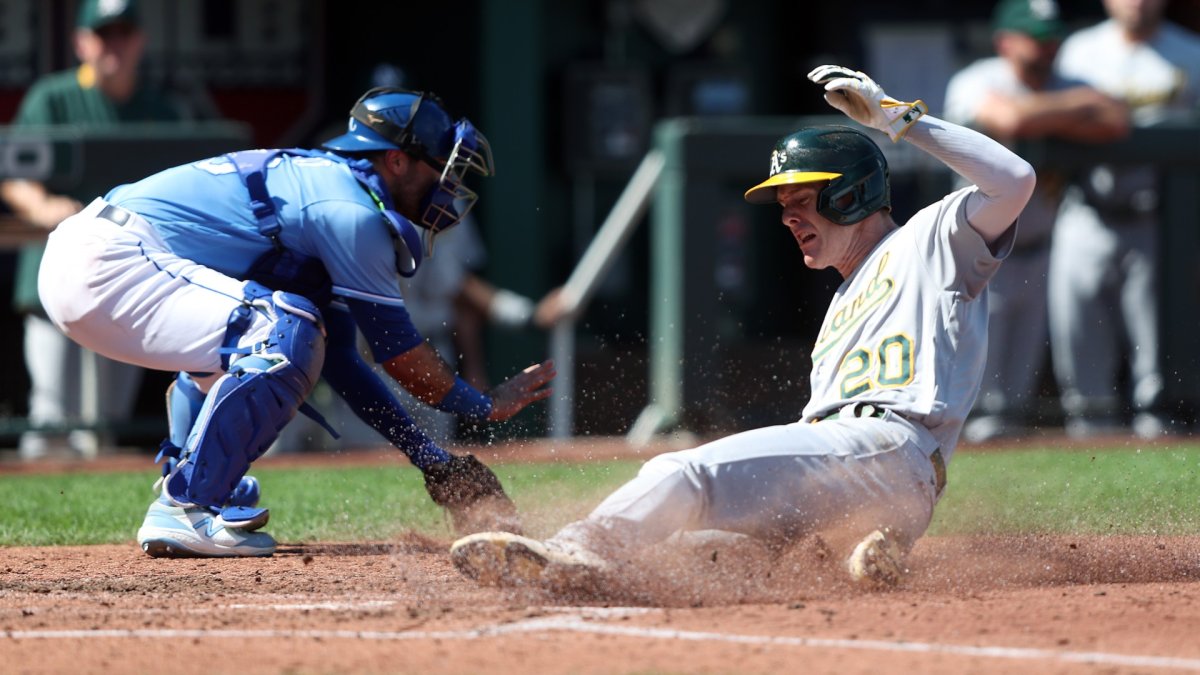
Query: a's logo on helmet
column 777, row 159
column 1043, row 10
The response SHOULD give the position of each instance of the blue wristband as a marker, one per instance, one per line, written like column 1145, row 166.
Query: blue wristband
column 466, row 401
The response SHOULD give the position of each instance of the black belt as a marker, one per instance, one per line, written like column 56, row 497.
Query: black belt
column 859, row 410
column 870, row 410
column 115, row 215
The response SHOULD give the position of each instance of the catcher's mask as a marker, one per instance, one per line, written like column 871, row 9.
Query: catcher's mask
column 389, row 118
column 854, row 166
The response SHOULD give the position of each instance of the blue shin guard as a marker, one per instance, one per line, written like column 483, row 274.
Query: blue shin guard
column 184, row 401
column 246, row 408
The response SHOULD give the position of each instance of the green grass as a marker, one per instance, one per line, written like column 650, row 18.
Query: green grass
column 307, row 505
column 1106, row 491
column 1109, row 491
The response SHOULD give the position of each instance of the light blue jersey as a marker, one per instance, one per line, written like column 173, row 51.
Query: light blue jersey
column 203, row 212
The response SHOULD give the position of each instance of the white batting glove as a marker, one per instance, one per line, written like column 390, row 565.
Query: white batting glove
column 510, row 309
column 865, row 102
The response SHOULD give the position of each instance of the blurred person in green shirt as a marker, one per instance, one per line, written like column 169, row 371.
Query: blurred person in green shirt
column 103, row 91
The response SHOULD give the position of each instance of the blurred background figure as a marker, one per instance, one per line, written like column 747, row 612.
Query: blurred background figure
column 1104, row 259
column 104, row 90
column 1010, row 96
column 451, row 304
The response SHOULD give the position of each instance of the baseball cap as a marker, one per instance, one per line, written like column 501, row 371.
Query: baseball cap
column 1039, row 19
column 95, row 14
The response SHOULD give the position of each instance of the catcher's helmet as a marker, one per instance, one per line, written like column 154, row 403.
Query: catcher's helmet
column 389, row 118
column 854, row 166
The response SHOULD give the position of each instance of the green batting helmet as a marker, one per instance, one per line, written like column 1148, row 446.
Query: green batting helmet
column 854, row 166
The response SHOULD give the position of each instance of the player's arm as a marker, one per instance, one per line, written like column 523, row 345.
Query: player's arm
column 30, row 199
column 416, row 366
column 1003, row 180
column 1077, row 114
column 33, row 202
column 426, row 376
column 368, row 396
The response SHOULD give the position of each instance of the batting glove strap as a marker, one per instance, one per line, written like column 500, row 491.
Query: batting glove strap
column 902, row 115
column 865, row 102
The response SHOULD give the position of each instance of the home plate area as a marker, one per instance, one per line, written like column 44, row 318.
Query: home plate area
column 1056, row 604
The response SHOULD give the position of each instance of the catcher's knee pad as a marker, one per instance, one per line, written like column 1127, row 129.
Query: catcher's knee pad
column 184, row 400
column 247, row 407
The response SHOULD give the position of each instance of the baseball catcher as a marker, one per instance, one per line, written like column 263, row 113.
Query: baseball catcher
column 251, row 275
column 896, row 366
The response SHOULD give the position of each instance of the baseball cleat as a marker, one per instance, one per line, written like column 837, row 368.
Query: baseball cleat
column 506, row 559
column 171, row 531
column 876, row 559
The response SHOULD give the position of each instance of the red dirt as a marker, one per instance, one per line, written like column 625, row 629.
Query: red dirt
column 1037, row 604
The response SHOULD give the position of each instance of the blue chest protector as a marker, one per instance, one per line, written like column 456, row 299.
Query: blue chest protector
column 282, row 269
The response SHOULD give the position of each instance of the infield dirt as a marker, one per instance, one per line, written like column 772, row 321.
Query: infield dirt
column 1035, row 604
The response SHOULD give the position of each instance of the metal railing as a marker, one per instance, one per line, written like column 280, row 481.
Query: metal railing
column 597, row 260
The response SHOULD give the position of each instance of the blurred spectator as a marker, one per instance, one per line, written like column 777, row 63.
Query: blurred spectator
column 1010, row 96
column 104, row 90
column 1104, row 259
column 450, row 303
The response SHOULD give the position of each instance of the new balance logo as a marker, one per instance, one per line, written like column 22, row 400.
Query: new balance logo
column 210, row 525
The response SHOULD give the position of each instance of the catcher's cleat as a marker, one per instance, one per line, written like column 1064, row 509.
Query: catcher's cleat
column 876, row 559
column 172, row 531
column 506, row 559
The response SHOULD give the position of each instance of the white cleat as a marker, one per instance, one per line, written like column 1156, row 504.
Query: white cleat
column 171, row 531
column 506, row 559
column 877, row 559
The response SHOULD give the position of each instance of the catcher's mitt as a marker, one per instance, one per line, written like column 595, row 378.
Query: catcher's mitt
column 472, row 494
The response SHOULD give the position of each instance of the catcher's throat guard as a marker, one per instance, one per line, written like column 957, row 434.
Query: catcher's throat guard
column 852, row 165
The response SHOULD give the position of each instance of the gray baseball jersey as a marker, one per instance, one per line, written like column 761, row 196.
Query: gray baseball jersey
column 908, row 329
column 967, row 90
column 1155, row 78
column 1104, row 258
column 1017, row 331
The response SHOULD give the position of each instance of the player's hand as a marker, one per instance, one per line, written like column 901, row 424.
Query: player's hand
column 512, row 395
column 550, row 309
column 857, row 95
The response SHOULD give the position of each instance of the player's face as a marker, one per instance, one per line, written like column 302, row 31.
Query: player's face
column 114, row 51
column 823, row 242
column 413, row 180
column 1140, row 17
column 1033, row 59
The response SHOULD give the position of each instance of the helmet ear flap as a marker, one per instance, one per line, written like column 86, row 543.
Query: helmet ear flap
column 857, row 193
